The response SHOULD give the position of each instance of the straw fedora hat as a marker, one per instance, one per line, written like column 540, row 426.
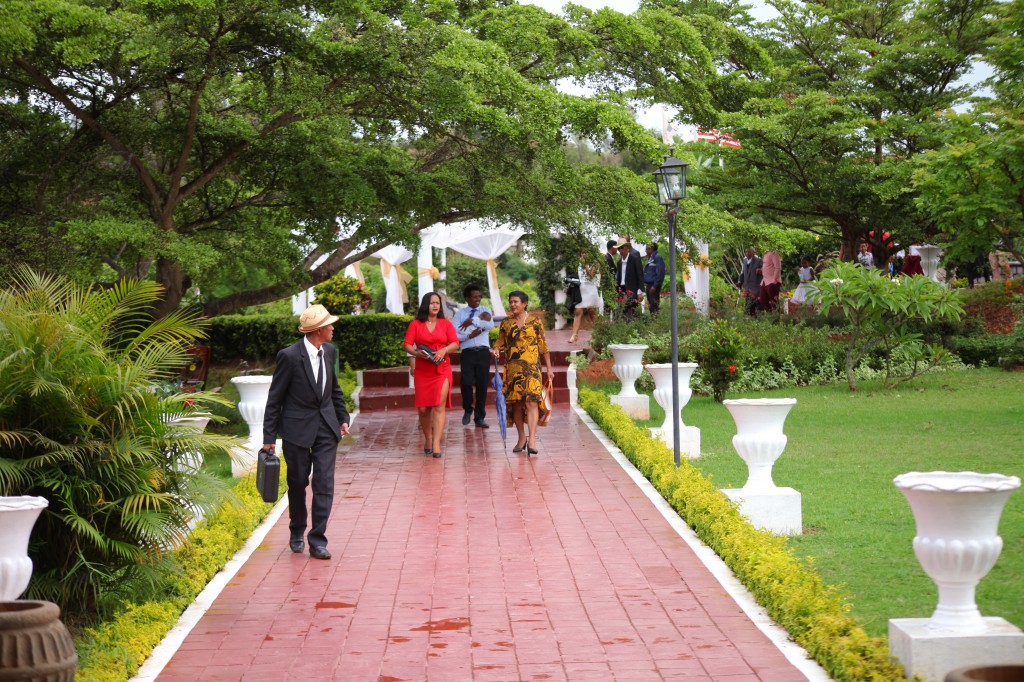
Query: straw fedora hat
column 623, row 241
column 314, row 317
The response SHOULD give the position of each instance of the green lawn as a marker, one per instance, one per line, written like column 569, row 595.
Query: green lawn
column 844, row 450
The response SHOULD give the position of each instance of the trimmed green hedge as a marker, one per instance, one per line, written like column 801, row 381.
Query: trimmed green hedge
column 814, row 614
column 364, row 341
column 113, row 651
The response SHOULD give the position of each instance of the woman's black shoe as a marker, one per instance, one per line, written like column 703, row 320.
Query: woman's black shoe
column 437, row 454
column 427, row 451
column 531, row 451
column 519, row 448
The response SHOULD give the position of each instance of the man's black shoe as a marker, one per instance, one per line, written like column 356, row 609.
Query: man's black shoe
column 466, row 417
column 481, row 424
column 319, row 553
column 297, row 545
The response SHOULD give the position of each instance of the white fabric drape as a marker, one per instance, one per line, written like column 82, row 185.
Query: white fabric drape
column 391, row 259
column 473, row 239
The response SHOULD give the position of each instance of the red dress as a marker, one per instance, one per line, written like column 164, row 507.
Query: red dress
column 428, row 377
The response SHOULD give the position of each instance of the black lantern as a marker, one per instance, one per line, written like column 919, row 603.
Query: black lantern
column 671, row 180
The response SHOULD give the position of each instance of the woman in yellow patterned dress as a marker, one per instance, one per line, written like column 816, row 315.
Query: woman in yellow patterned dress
column 521, row 339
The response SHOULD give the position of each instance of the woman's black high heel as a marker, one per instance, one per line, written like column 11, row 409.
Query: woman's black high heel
column 531, row 451
column 437, row 454
column 427, row 451
column 519, row 448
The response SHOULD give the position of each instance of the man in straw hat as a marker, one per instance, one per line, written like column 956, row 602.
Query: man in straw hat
column 307, row 408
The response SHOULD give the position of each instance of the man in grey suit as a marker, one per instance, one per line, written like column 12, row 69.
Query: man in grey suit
column 750, row 280
column 307, row 408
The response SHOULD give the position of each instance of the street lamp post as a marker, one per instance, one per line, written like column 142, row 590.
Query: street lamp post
column 671, row 181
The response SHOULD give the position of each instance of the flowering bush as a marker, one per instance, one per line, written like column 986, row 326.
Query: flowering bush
column 880, row 311
column 716, row 346
column 343, row 295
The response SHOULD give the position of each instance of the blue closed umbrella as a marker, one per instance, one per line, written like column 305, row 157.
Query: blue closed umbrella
column 499, row 402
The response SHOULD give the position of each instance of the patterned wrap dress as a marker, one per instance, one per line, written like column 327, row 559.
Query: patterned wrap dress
column 428, row 378
column 523, row 348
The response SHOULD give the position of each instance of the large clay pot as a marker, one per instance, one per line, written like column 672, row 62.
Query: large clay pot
column 957, row 543
column 17, row 517
column 34, row 645
column 988, row 673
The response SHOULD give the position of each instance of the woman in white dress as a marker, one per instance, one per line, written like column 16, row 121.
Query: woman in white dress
column 590, row 294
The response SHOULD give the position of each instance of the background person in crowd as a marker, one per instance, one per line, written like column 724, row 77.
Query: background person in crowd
column 865, row 257
column 521, row 340
column 771, row 280
column 589, row 294
column 472, row 325
column 654, row 277
column 430, row 338
column 912, row 264
column 806, row 275
column 750, row 280
column 629, row 278
column 305, row 405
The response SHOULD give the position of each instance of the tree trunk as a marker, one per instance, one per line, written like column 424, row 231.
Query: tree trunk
column 169, row 275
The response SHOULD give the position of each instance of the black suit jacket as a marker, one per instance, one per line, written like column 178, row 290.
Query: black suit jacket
column 634, row 274
column 293, row 407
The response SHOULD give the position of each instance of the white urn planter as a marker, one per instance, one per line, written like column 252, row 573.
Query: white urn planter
column 253, row 392
column 957, row 541
column 929, row 260
column 17, row 517
column 662, row 373
column 628, row 365
column 759, row 439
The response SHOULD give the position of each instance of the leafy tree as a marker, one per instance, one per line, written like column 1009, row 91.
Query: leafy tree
column 856, row 94
column 82, row 424
column 194, row 142
column 973, row 186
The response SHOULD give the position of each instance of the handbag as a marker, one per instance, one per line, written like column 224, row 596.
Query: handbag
column 547, row 399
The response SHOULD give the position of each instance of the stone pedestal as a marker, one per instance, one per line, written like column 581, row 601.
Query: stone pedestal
column 689, row 436
column 776, row 510
column 635, row 406
column 570, row 381
column 934, row 652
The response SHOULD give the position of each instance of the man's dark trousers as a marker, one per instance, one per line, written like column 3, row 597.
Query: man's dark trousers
column 653, row 298
column 476, row 374
column 318, row 460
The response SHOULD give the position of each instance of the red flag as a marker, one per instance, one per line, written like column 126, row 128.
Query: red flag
column 707, row 135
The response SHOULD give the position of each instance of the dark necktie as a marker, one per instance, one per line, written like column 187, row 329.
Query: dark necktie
column 320, row 373
column 472, row 313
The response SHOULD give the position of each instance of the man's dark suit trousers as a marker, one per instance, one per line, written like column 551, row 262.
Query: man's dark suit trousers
column 319, row 461
column 476, row 374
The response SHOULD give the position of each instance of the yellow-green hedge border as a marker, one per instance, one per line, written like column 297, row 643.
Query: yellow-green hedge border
column 815, row 615
column 113, row 651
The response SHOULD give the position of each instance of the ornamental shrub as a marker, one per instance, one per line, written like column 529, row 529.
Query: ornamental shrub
column 882, row 313
column 717, row 347
column 344, row 295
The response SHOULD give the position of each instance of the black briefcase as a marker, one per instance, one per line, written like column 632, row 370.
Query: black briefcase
column 268, row 475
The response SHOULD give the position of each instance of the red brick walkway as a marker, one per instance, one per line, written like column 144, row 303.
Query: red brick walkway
column 483, row 565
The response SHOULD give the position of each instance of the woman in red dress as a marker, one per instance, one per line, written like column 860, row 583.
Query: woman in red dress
column 430, row 338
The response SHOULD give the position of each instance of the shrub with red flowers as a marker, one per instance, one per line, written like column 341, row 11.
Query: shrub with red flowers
column 716, row 346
